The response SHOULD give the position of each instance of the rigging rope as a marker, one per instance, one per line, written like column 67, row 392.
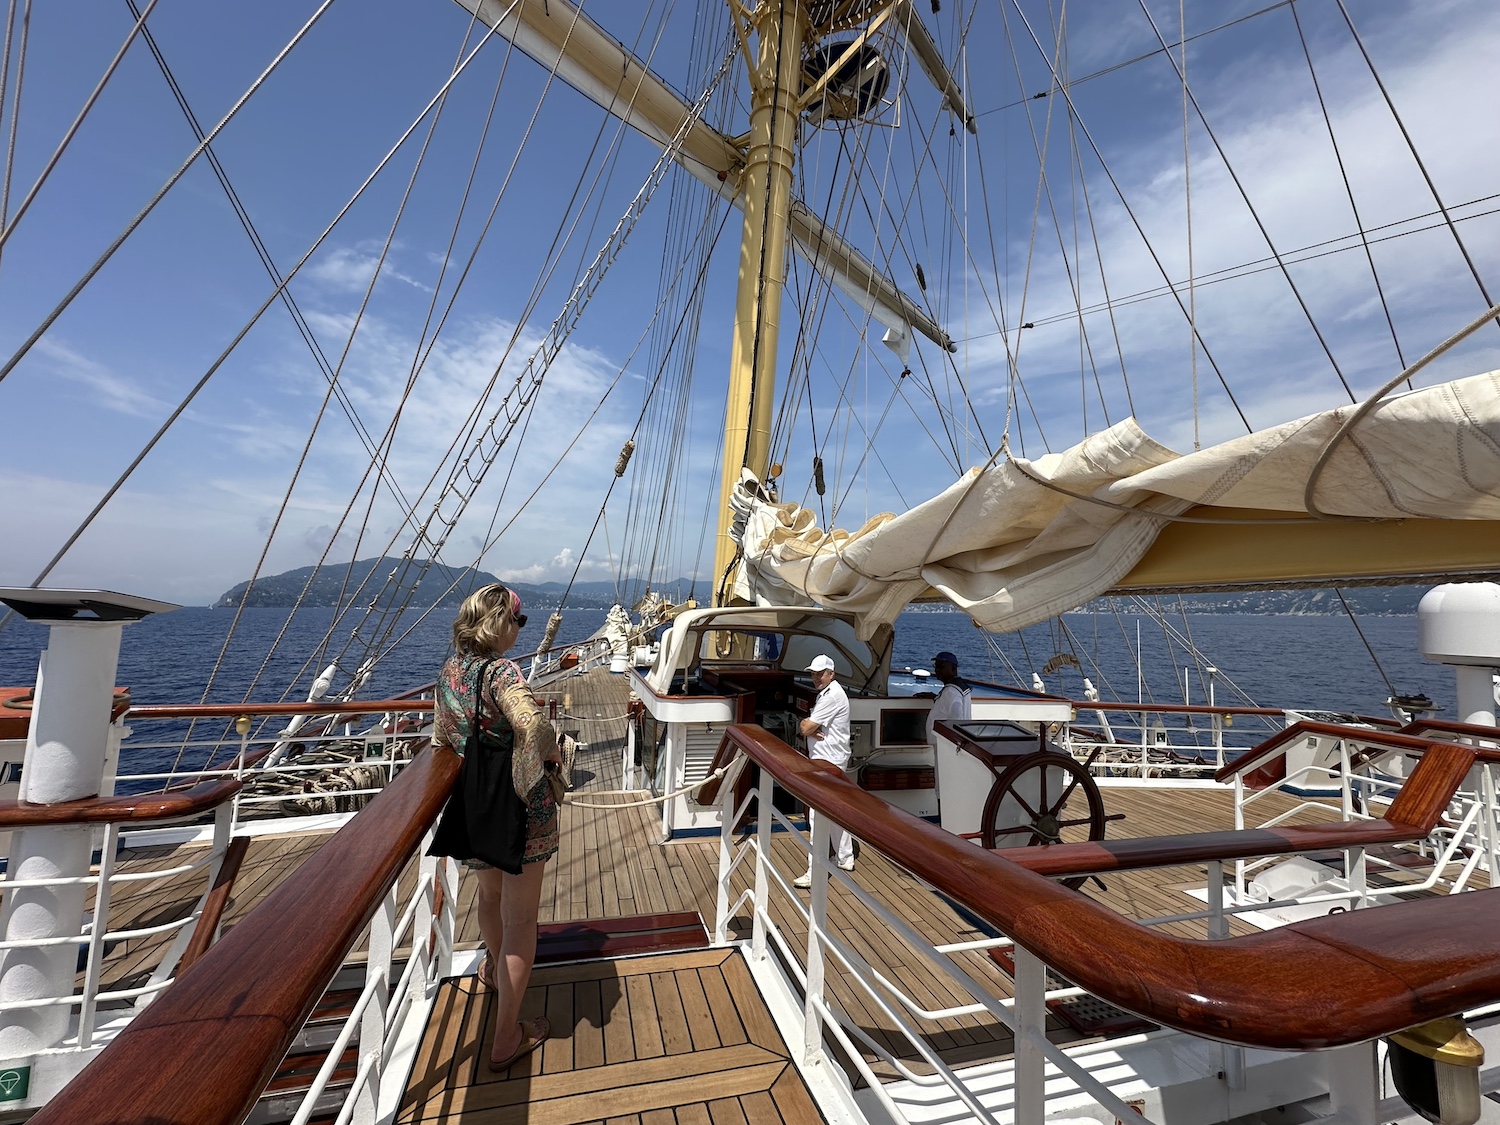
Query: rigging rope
column 467, row 473
column 1134, row 219
column 161, row 194
column 1373, row 658
column 1348, row 188
column 8, row 222
column 15, row 109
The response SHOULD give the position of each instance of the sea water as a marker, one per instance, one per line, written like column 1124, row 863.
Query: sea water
column 1274, row 661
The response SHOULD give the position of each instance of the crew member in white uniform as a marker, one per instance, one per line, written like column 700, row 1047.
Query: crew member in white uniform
column 954, row 703
column 827, row 732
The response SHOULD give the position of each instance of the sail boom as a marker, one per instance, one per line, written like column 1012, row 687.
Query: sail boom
column 1262, row 555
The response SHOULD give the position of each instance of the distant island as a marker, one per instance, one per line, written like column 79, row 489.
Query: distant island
column 365, row 582
column 446, row 586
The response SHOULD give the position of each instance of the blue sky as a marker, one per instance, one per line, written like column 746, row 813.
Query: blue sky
column 194, row 518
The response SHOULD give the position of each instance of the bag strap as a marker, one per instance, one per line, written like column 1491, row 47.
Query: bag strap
column 479, row 694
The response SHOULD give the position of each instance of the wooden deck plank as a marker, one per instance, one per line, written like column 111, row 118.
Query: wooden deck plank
column 700, row 1019
column 675, row 1036
column 727, row 1025
column 645, row 1024
column 794, row 1102
column 727, row 1111
column 588, row 1025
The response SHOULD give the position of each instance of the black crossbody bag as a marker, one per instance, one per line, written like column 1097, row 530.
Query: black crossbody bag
column 484, row 819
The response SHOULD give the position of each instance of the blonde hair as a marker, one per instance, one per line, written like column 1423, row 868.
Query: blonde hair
column 481, row 620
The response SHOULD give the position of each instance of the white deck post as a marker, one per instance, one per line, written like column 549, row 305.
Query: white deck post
column 817, row 916
column 763, row 823
column 726, row 860
column 372, row 1022
column 1354, row 1084
column 66, row 751
column 1031, row 1022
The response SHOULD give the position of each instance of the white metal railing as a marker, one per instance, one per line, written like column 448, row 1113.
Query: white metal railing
column 381, row 750
column 1469, row 836
column 1040, row 1072
column 1147, row 743
column 96, row 937
column 1024, row 1016
column 427, row 921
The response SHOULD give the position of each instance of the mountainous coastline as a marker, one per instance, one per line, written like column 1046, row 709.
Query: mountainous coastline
column 442, row 586
column 333, row 580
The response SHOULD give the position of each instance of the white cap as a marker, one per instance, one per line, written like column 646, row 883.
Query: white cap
column 821, row 664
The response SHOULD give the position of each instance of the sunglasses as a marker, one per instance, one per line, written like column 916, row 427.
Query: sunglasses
column 510, row 600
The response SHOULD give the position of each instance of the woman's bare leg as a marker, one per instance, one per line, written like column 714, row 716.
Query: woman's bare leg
column 511, row 938
column 490, row 882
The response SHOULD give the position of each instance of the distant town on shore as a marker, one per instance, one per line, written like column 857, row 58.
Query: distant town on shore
column 366, row 579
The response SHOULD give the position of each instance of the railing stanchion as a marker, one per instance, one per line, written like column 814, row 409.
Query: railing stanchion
column 765, row 788
column 423, row 927
column 372, row 1023
column 95, row 963
column 1218, row 921
column 447, row 917
column 1491, row 846
column 726, row 861
column 1354, row 1084
column 1145, row 748
column 817, row 917
column 1030, row 1027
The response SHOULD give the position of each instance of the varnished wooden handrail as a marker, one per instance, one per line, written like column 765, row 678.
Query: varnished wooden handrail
column 1326, row 982
column 171, row 805
column 235, row 710
column 1263, row 752
column 1174, row 708
column 1415, row 812
column 218, row 899
column 203, row 1052
column 1450, row 729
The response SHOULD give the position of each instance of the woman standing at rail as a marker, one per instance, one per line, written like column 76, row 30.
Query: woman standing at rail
column 501, row 818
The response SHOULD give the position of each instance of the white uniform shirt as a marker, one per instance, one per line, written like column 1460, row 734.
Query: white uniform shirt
column 953, row 704
column 831, row 713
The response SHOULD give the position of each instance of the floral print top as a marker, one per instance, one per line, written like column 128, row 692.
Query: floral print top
column 457, row 689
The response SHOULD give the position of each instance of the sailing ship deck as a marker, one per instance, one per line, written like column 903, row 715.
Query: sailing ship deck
column 619, row 1025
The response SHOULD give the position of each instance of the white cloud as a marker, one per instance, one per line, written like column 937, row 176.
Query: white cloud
column 109, row 389
column 348, row 269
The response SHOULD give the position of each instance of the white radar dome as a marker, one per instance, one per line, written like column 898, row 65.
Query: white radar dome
column 1460, row 624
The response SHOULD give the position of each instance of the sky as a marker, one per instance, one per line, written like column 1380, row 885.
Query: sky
column 244, row 480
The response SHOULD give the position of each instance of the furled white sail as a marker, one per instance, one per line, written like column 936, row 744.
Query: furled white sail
column 1012, row 551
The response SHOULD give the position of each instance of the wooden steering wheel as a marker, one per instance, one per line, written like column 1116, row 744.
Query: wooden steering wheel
column 1041, row 799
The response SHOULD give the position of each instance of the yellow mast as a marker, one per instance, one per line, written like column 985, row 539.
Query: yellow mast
column 780, row 27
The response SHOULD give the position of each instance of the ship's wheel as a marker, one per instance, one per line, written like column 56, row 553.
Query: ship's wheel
column 1041, row 799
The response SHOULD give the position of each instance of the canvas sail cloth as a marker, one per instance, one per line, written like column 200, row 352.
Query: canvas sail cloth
column 1012, row 552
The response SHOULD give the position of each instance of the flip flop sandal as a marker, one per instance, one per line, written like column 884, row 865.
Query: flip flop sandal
column 528, row 1043
column 486, row 970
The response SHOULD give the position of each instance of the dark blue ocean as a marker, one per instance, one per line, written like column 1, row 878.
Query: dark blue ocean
column 1302, row 661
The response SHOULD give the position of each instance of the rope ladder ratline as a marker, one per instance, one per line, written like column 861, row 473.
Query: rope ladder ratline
column 493, row 435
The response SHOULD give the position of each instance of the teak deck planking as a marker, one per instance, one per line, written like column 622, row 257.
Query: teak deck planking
column 633, row 1040
column 612, row 864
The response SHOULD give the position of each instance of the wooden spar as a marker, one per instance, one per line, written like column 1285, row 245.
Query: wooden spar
column 1196, row 556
